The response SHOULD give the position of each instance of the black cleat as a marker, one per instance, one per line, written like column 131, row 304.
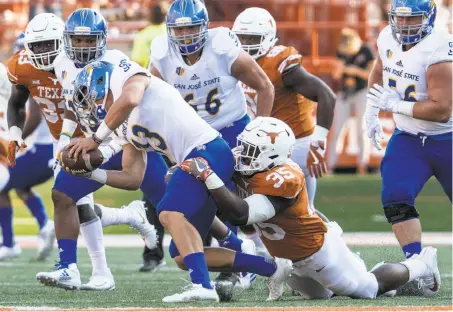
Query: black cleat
column 224, row 285
column 151, row 265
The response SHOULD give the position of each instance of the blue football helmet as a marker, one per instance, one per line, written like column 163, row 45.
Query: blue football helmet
column 19, row 43
column 411, row 34
column 85, row 22
column 187, row 13
column 91, row 85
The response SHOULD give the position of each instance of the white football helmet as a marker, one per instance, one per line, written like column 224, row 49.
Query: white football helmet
column 266, row 142
column 256, row 22
column 42, row 28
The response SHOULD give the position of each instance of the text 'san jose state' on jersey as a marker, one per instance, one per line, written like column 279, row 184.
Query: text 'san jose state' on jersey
column 297, row 232
column 289, row 106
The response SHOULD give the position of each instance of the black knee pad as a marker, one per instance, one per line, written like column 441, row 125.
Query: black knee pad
column 86, row 213
column 400, row 213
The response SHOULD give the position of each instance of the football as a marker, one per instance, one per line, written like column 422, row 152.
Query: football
column 81, row 166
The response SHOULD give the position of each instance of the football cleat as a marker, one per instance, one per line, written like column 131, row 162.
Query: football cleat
column 139, row 222
column 7, row 253
column 63, row 277
column 193, row 292
column 276, row 283
column 100, row 283
column 224, row 285
column 46, row 240
column 152, row 265
column 247, row 279
column 430, row 283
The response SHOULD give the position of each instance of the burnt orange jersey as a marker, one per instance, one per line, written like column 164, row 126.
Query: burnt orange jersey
column 44, row 88
column 295, row 233
column 289, row 106
column 3, row 152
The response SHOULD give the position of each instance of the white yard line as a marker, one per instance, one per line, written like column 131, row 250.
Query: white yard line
column 358, row 239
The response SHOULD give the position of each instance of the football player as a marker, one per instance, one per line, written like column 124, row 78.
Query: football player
column 177, row 131
column 84, row 41
column 274, row 199
column 295, row 92
column 32, row 73
column 412, row 78
column 33, row 167
column 207, row 67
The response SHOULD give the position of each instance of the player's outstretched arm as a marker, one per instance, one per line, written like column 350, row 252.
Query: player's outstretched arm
column 314, row 89
column 34, row 118
column 130, row 97
column 131, row 177
column 16, row 106
column 246, row 70
column 438, row 106
column 253, row 209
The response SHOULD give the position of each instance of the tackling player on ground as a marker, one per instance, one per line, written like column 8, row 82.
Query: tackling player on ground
column 412, row 78
column 274, row 200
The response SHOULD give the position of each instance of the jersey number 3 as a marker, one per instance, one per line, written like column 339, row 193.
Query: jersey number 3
column 408, row 93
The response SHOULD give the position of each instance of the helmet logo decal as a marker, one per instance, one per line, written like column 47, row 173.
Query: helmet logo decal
column 83, row 14
column 273, row 135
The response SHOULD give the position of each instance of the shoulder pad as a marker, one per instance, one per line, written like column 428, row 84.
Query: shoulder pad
column 159, row 47
column 441, row 47
column 223, row 40
column 384, row 35
column 14, row 64
column 285, row 181
column 112, row 56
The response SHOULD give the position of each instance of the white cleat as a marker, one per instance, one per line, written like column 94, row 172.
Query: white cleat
column 100, row 283
column 276, row 283
column 67, row 278
column 46, row 240
column 246, row 279
column 138, row 221
column 194, row 292
column 430, row 283
column 7, row 253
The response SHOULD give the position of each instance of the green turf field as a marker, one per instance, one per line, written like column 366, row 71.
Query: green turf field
column 354, row 202
column 18, row 286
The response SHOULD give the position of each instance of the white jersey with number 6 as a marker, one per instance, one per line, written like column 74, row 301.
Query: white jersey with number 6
column 207, row 85
column 406, row 71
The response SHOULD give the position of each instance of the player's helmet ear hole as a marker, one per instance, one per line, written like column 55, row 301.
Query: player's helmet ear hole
column 100, row 80
column 273, row 156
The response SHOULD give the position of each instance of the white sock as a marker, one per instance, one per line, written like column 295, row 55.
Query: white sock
column 417, row 268
column 113, row 216
column 255, row 237
column 94, row 238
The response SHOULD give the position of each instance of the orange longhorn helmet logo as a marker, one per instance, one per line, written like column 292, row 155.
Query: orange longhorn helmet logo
column 273, row 135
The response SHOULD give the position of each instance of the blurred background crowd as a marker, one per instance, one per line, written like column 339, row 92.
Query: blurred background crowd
column 334, row 36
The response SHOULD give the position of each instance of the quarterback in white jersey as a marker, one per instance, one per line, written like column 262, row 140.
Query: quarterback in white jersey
column 84, row 41
column 206, row 66
column 412, row 78
column 139, row 119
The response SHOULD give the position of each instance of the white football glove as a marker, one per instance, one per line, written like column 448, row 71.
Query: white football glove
column 384, row 99
column 373, row 125
column 316, row 163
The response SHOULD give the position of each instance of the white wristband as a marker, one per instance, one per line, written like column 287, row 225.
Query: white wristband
column 213, row 182
column 320, row 133
column 103, row 131
column 69, row 127
column 99, row 175
column 405, row 108
column 15, row 132
column 109, row 150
